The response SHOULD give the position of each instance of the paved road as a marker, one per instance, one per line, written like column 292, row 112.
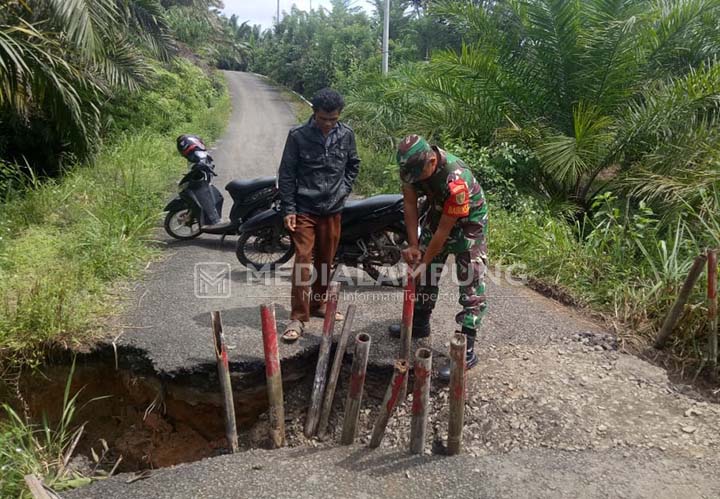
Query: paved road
column 166, row 321
column 355, row 472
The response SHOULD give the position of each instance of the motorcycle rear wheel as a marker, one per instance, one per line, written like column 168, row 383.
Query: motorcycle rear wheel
column 265, row 249
column 176, row 225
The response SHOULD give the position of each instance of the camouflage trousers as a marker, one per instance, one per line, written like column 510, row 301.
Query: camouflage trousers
column 470, row 267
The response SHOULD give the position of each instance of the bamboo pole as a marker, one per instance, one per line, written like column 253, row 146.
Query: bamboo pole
column 392, row 395
column 457, row 393
column 676, row 311
column 36, row 487
column 335, row 371
column 318, row 390
column 355, row 393
column 406, row 326
column 712, row 310
column 421, row 395
column 221, row 356
column 273, row 375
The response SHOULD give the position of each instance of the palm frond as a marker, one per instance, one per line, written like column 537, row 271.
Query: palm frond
column 147, row 21
column 85, row 22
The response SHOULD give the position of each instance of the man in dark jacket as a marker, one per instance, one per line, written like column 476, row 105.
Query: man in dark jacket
column 317, row 173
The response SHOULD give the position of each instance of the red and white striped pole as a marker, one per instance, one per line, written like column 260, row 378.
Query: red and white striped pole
column 392, row 395
column 273, row 375
column 406, row 326
column 223, row 366
column 421, row 395
column 457, row 393
column 318, row 391
column 355, row 393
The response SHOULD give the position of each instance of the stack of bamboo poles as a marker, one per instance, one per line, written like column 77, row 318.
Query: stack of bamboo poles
column 319, row 413
column 323, row 389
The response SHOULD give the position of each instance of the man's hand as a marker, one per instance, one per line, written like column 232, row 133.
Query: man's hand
column 412, row 255
column 290, row 222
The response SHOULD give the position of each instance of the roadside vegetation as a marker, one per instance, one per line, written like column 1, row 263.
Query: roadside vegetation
column 592, row 126
column 46, row 449
column 92, row 96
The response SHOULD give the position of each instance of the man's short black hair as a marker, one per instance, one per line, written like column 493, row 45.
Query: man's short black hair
column 327, row 100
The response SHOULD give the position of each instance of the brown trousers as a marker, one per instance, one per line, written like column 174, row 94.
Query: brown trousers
column 316, row 239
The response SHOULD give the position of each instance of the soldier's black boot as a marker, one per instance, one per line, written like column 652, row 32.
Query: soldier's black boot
column 471, row 358
column 421, row 326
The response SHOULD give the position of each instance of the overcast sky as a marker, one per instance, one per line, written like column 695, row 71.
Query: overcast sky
column 263, row 11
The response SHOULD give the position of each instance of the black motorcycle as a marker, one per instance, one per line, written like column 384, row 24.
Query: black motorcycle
column 250, row 197
column 198, row 205
column 373, row 235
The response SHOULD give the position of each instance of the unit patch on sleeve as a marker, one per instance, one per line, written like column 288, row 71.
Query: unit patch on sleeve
column 458, row 202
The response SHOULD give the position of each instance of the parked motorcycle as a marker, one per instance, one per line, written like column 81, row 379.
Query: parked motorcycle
column 372, row 237
column 197, row 207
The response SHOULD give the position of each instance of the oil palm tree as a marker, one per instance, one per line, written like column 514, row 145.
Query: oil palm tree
column 58, row 57
column 594, row 88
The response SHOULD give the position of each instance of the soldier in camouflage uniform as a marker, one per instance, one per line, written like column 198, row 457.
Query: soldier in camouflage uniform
column 456, row 224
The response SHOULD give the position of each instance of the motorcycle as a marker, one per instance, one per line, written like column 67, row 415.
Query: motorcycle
column 197, row 207
column 372, row 238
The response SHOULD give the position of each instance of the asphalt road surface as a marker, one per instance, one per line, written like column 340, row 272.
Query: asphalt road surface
column 168, row 317
column 356, row 472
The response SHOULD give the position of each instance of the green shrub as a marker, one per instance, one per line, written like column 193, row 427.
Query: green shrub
column 66, row 241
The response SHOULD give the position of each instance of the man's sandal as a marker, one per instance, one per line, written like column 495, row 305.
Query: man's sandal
column 293, row 331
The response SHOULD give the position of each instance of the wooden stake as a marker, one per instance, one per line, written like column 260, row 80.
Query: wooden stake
column 335, row 371
column 273, row 376
column 392, row 395
column 318, row 390
column 221, row 356
column 712, row 310
column 406, row 326
column 37, row 489
column 457, row 393
column 357, row 382
column 677, row 309
column 421, row 395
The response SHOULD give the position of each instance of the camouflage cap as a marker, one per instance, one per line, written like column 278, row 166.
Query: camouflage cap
column 413, row 154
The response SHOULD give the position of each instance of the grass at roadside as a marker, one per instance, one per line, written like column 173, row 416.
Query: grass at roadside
column 66, row 241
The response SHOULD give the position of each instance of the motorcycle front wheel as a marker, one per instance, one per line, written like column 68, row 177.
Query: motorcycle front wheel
column 388, row 269
column 182, row 225
column 265, row 249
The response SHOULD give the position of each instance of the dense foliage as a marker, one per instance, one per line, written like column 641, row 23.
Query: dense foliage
column 593, row 124
column 69, row 67
column 307, row 51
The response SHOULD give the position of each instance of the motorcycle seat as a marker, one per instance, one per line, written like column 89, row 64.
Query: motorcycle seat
column 364, row 208
column 239, row 188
